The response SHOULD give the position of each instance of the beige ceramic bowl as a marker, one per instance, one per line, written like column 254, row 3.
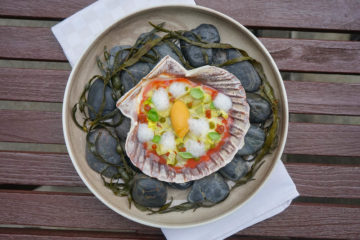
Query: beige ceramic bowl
column 126, row 31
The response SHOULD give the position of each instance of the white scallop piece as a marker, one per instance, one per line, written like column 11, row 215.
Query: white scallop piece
column 177, row 89
column 160, row 99
column 168, row 141
column 144, row 133
column 223, row 102
column 195, row 148
column 199, row 127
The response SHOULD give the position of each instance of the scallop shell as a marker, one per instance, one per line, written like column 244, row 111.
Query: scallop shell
column 215, row 77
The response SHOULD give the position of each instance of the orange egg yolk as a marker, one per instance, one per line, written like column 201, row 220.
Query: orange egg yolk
column 179, row 115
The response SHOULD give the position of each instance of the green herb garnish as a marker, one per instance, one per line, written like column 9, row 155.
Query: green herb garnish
column 185, row 155
column 212, row 106
column 197, row 93
column 156, row 139
column 214, row 136
column 153, row 115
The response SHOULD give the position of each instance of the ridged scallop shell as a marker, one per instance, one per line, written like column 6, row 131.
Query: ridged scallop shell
column 215, row 77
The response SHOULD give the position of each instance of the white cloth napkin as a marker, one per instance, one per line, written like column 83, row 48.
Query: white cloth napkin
column 77, row 32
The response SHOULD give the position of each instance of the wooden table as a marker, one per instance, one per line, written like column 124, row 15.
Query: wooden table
column 322, row 157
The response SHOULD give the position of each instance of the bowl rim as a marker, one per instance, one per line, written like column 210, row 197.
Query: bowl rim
column 268, row 58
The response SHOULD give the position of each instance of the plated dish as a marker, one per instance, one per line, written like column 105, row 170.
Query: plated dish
column 181, row 136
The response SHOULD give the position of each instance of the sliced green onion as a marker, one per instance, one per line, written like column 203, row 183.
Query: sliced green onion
column 153, row 115
column 156, row 139
column 197, row 93
column 214, row 136
column 185, row 155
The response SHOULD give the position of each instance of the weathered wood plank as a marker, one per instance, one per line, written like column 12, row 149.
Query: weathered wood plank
column 44, row 234
column 84, row 211
column 23, row 43
column 41, row 9
column 323, row 139
column 323, row 98
column 32, row 84
column 30, row 126
column 330, row 180
column 31, row 168
column 304, row 97
column 314, row 55
column 289, row 54
column 55, row 169
column 301, row 14
column 303, row 138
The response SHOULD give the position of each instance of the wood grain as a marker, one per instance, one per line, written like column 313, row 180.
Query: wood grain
column 330, row 180
column 323, row 139
column 42, row 9
column 56, row 169
column 289, row 54
column 303, row 97
column 32, row 84
column 23, row 43
column 30, row 126
column 301, row 14
column 314, row 55
column 31, row 168
column 85, row 211
column 45, row 234
column 323, row 98
column 303, row 138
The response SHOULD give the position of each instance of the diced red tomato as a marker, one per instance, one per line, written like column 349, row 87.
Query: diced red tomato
column 147, row 107
column 172, row 99
column 220, row 129
column 189, row 105
column 154, row 147
column 183, row 149
column 208, row 113
column 167, row 154
column 142, row 118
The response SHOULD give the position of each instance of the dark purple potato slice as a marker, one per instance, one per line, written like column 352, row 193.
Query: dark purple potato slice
column 148, row 192
column 106, row 148
column 235, row 170
column 260, row 108
column 181, row 186
column 95, row 98
column 211, row 188
column 194, row 54
column 134, row 74
column 254, row 140
column 244, row 70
